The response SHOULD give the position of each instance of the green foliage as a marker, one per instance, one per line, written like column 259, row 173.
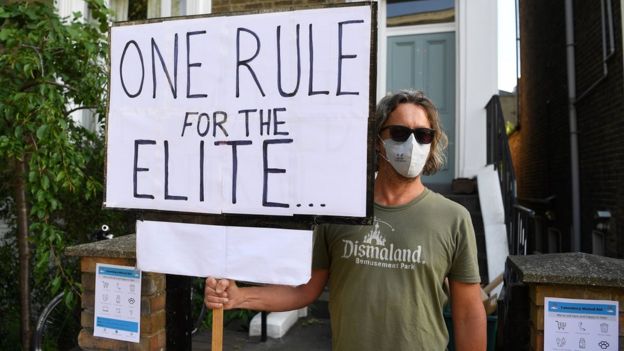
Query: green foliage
column 50, row 67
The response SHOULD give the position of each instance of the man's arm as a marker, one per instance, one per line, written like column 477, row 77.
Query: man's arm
column 469, row 321
column 225, row 293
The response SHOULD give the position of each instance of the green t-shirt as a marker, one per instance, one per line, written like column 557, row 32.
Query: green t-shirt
column 386, row 280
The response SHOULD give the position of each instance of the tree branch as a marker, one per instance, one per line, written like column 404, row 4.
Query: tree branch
column 79, row 108
column 36, row 50
column 50, row 82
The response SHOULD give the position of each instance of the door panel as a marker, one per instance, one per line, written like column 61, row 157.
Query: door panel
column 403, row 71
column 427, row 62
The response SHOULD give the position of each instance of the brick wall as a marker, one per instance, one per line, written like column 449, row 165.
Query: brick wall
column 221, row 6
column 542, row 160
column 601, row 124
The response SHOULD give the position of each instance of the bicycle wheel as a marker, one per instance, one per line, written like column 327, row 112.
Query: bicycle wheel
column 198, row 308
column 57, row 326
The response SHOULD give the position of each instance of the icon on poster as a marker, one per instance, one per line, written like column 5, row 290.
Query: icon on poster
column 561, row 325
column 582, row 343
column 561, row 342
column 603, row 345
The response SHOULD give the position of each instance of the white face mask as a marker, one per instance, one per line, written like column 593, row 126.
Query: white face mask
column 408, row 158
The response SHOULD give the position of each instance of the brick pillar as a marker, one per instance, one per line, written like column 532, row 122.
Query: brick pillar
column 153, row 296
column 563, row 275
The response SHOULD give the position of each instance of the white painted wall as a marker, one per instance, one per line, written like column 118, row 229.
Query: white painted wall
column 477, row 80
column 67, row 7
column 197, row 7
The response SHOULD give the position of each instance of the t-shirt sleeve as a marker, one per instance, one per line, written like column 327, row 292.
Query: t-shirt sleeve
column 320, row 254
column 465, row 267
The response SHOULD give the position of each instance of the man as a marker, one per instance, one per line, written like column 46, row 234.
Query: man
column 387, row 280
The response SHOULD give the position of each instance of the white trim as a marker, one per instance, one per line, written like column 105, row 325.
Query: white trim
column 153, row 8
column 421, row 29
column 67, row 7
column 477, row 79
column 459, row 120
column 120, row 9
column 382, row 42
column 165, row 8
column 198, row 7
column 460, row 96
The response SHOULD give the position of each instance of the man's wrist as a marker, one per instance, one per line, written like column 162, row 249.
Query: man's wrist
column 243, row 299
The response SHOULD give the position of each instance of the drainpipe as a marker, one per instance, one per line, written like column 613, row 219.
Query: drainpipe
column 575, row 244
column 606, row 23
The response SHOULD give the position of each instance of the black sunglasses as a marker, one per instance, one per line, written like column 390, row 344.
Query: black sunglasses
column 401, row 133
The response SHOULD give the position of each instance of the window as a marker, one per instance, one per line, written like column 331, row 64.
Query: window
column 137, row 10
column 413, row 12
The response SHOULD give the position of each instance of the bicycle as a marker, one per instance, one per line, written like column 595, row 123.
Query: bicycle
column 57, row 326
column 52, row 326
column 197, row 298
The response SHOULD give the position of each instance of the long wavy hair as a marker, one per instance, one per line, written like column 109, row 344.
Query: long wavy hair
column 437, row 155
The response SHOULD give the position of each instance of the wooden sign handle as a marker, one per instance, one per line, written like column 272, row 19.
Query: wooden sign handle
column 217, row 329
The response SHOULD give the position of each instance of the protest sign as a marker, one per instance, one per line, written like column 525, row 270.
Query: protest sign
column 260, row 114
column 236, row 118
column 261, row 255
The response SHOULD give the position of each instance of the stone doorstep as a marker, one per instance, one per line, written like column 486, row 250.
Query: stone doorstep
column 278, row 323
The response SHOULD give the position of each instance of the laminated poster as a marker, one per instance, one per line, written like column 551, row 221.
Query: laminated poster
column 573, row 324
column 117, row 302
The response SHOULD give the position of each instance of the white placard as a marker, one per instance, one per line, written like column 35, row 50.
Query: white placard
column 575, row 324
column 251, row 114
column 117, row 302
column 261, row 255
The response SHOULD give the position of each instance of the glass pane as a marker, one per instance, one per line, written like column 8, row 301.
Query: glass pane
column 137, row 10
column 411, row 12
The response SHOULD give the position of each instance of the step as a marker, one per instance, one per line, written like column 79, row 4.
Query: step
column 278, row 323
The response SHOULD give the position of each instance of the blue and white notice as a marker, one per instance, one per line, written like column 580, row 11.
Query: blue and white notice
column 574, row 324
column 117, row 302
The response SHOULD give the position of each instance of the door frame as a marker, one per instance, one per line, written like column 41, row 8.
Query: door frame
column 382, row 51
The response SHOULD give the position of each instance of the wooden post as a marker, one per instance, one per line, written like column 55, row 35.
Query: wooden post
column 217, row 329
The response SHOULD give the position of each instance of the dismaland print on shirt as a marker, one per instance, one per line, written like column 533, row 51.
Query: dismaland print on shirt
column 373, row 251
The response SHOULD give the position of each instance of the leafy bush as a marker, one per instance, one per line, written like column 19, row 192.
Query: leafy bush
column 52, row 172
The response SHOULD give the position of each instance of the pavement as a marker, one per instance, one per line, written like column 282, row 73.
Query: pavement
column 308, row 334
